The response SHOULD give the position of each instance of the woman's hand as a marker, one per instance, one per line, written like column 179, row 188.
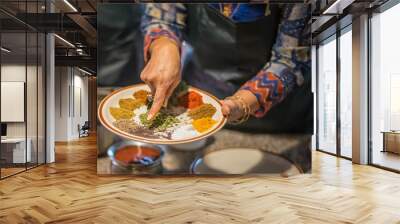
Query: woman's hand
column 233, row 108
column 162, row 72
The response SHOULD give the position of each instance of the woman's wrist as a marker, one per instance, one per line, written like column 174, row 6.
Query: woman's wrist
column 246, row 104
column 163, row 43
column 249, row 99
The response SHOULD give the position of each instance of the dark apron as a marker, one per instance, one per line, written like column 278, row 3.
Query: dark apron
column 222, row 55
column 120, row 41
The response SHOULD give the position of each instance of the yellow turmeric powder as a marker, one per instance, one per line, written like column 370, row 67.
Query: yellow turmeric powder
column 141, row 95
column 121, row 113
column 130, row 104
column 203, row 124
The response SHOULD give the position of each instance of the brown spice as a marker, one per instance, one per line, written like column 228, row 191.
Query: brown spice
column 202, row 111
column 130, row 104
column 128, row 126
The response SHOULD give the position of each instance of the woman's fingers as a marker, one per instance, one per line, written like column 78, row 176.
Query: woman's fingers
column 225, row 109
column 158, row 102
column 144, row 76
column 152, row 89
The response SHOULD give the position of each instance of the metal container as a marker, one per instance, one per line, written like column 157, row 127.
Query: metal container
column 154, row 168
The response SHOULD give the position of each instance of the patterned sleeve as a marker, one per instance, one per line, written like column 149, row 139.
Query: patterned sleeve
column 162, row 20
column 290, row 56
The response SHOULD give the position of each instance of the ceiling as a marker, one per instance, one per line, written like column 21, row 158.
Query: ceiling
column 72, row 20
column 76, row 22
column 329, row 18
column 16, row 42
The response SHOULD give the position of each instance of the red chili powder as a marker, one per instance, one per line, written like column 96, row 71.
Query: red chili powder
column 133, row 154
column 191, row 100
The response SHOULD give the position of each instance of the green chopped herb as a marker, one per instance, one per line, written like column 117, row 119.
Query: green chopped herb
column 161, row 122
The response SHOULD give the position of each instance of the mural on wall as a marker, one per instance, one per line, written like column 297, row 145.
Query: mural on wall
column 229, row 95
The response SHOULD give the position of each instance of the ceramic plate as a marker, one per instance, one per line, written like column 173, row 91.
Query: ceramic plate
column 131, row 125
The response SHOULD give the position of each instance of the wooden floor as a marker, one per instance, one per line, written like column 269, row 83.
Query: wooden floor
column 5, row 172
column 69, row 191
column 10, row 171
column 387, row 159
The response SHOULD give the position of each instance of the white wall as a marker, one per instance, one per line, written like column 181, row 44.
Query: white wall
column 71, row 94
column 81, row 104
column 10, row 73
column 13, row 73
column 61, row 103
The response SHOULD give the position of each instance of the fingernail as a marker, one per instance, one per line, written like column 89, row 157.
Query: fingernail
column 149, row 116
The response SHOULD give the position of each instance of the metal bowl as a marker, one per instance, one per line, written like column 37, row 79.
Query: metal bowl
column 231, row 163
column 152, row 168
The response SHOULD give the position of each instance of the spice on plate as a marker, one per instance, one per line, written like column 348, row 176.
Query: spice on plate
column 121, row 113
column 130, row 104
column 160, row 122
column 203, row 111
column 141, row 95
column 191, row 100
column 128, row 126
column 203, row 124
column 180, row 90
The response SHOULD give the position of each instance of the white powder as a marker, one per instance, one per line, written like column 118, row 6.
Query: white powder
column 138, row 112
column 184, row 118
column 183, row 132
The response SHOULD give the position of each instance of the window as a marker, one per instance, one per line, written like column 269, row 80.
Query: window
column 385, row 89
column 328, row 110
column 346, row 93
column 22, row 76
column 327, row 96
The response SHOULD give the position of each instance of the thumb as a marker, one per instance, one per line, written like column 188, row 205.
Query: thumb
column 158, row 102
column 225, row 108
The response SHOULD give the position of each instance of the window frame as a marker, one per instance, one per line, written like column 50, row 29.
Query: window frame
column 378, row 10
column 334, row 37
column 27, row 29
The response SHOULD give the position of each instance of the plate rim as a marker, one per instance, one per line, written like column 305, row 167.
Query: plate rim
column 155, row 141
